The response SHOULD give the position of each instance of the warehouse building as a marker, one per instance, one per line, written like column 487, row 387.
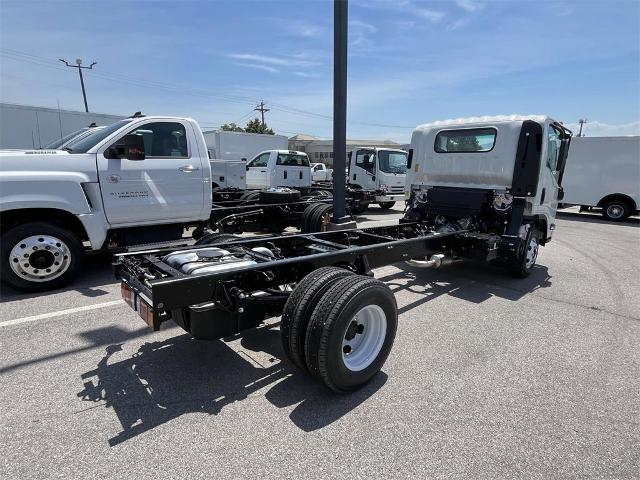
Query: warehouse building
column 23, row 126
column 321, row 150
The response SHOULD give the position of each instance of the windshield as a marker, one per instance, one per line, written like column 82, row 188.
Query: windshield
column 96, row 137
column 57, row 143
column 392, row 162
column 80, row 137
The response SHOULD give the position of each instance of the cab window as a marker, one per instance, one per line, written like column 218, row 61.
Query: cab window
column 365, row 160
column 163, row 139
column 260, row 161
column 292, row 160
column 554, row 142
column 468, row 140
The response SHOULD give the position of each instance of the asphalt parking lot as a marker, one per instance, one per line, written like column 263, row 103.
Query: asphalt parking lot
column 490, row 377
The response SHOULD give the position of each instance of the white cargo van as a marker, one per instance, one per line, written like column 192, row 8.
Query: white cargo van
column 604, row 172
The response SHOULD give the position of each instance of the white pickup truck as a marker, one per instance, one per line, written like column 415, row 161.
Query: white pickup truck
column 279, row 168
column 320, row 173
column 137, row 181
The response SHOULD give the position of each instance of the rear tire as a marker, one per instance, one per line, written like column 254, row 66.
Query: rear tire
column 249, row 196
column 299, row 307
column 39, row 256
column 360, row 207
column 351, row 332
column 314, row 217
column 616, row 211
column 386, row 205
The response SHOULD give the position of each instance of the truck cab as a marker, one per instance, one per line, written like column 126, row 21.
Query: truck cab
column 498, row 177
column 380, row 170
column 140, row 180
column 279, row 168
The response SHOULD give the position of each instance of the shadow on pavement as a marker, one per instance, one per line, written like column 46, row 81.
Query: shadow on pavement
column 96, row 272
column 167, row 379
column 469, row 281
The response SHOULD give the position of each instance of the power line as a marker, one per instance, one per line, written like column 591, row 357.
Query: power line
column 79, row 66
column 145, row 83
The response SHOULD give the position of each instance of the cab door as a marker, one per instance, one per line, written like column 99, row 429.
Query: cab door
column 363, row 168
column 551, row 173
column 257, row 177
column 292, row 169
column 167, row 186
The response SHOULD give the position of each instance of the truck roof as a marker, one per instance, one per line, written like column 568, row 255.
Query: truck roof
column 473, row 121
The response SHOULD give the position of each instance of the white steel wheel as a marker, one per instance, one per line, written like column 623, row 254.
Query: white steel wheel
column 40, row 258
column 364, row 337
column 531, row 254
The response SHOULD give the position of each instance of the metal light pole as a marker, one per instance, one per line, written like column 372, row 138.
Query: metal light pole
column 582, row 121
column 79, row 66
column 340, row 39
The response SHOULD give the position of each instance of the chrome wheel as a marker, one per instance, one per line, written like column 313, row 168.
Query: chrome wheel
column 40, row 258
column 364, row 337
column 531, row 253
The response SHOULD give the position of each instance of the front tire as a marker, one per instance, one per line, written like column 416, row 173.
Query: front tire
column 351, row 332
column 39, row 256
column 526, row 260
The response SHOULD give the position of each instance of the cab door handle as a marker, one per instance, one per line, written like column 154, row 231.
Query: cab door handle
column 188, row 169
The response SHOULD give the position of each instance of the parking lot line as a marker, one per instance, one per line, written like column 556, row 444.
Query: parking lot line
column 59, row 313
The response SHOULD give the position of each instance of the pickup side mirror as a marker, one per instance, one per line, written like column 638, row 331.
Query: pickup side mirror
column 130, row 146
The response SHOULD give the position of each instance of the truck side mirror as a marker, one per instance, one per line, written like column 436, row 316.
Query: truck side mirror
column 410, row 159
column 130, row 146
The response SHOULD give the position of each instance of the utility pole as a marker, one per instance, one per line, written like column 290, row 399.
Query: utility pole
column 582, row 121
column 260, row 108
column 340, row 45
column 79, row 66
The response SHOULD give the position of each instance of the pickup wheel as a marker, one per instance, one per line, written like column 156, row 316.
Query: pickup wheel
column 299, row 307
column 351, row 332
column 386, row 205
column 40, row 256
column 521, row 267
column 360, row 207
column 615, row 210
column 215, row 238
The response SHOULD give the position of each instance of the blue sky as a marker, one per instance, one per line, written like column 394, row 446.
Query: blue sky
column 410, row 62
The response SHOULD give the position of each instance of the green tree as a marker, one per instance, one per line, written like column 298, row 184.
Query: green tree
column 256, row 126
column 231, row 127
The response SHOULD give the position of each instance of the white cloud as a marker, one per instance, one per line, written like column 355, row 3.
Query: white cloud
column 282, row 61
column 600, row 129
column 433, row 16
column 469, row 5
column 363, row 26
column 460, row 23
column 265, row 68
column 305, row 75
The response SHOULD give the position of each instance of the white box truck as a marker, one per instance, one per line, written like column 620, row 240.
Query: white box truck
column 240, row 145
column 604, row 172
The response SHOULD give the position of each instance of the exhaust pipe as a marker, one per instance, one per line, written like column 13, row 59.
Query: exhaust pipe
column 437, row 260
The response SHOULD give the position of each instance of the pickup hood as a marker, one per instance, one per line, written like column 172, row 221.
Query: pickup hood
column 43, row 162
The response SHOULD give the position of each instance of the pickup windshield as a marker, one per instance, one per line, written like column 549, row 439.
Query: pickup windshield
column 61, row 141
column 392, row 162
column 92, row 140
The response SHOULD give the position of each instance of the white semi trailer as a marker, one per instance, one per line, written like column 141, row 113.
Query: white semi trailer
column 604, row 172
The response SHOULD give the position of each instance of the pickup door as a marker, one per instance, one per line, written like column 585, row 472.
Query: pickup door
column 291, row 170
column 257, row 171
column 167, row 186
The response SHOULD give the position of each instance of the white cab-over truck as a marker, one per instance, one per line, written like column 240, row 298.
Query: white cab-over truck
column 381, row 171
column 483, row 189
column 604, row 172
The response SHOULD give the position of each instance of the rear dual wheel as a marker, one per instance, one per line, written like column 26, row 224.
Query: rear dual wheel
column 348, row 333
column 316, row 217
